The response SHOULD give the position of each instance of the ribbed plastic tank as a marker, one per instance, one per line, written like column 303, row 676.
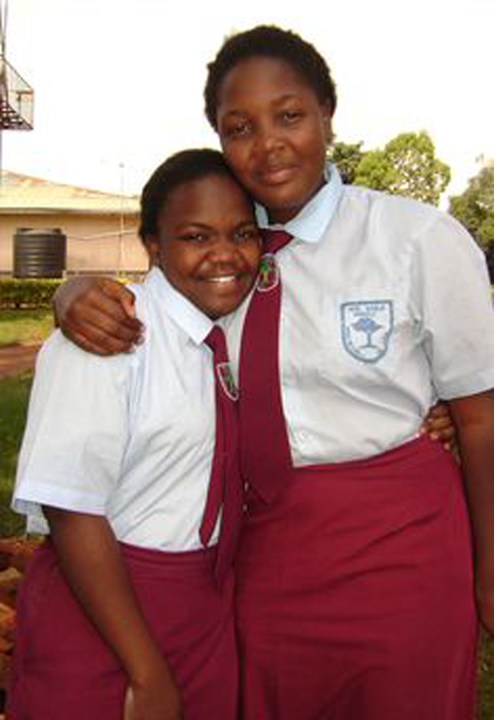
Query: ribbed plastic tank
column 39, row 253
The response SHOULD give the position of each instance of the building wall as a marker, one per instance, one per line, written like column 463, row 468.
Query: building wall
column 95, row 243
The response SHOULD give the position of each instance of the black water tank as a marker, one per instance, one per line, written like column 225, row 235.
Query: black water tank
column 39, row 253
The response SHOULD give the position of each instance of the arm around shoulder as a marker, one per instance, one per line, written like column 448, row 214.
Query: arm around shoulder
column 97, row 313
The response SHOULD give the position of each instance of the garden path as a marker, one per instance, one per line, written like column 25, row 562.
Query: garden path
column 15, row 359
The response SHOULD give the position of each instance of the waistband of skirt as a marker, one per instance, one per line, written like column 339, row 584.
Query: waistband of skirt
column 202, row 558
column 419, row 451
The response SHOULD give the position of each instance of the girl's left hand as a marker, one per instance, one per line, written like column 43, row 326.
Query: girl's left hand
column 153, row 703
column 439, row 425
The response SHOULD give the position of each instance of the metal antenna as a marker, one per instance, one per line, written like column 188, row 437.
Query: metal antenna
column 16, row 96
column 3, row 74
column 3, row 25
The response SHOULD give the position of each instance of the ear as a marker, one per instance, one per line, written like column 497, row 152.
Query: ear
column 327, row 120
column 152, row 245
column 328, row 131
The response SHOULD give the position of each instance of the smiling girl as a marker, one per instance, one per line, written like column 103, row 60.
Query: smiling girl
column 134, row 586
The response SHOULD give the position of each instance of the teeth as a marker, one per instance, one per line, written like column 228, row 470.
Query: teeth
column 224, row 279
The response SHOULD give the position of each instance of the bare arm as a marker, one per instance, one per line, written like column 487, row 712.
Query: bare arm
column 474, row 417
column 94, row 570
column 97, row 314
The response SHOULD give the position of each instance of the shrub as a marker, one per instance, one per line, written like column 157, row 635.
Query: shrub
column 15, row 293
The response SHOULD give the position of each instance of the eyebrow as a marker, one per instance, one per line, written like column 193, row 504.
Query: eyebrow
column 277, row 101
column 191, row 224
column 250, row 221
column 202, row 226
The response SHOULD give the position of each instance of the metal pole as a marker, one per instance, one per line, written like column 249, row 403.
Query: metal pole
column 3, row 34
column 122, row 221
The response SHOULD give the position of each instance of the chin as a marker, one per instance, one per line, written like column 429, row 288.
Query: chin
column 281, row 204
column 222, row 310
column 215, row 311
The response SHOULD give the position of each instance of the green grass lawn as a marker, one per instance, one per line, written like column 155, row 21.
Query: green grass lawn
column 24, row 327
column 14, row 397
column 485, row 709
column 13, row 402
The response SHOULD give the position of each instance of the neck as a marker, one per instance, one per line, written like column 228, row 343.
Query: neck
column 284, row 215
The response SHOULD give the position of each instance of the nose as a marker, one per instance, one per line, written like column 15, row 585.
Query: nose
column 224, row 250
column 268, row 138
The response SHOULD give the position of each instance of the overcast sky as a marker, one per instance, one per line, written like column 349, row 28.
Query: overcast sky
column 118, row 83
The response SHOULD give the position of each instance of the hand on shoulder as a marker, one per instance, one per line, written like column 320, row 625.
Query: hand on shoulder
column 97, row 314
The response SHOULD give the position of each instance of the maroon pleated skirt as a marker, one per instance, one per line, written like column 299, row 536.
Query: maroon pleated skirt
column 355, row 593
column 63, row 670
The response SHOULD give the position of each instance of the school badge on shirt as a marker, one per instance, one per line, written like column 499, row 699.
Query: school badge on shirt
column 269, row 274
column 226, row 380
column 366, row 328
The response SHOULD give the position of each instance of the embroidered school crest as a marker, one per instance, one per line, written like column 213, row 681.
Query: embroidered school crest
column 269, row 274
column 225, row 377
column 366, row 327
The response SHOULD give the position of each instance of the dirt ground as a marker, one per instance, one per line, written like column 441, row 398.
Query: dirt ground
column 15, row 359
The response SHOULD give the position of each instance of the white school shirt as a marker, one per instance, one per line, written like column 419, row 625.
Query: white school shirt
column 131, row 436
column 386, row 306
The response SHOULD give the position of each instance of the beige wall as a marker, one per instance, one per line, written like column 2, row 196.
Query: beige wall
column 93, row 241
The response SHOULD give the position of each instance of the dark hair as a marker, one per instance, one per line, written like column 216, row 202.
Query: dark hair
column 273, row 42
column 181, row 168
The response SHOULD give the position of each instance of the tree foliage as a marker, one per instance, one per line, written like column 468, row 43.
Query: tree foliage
column 475, row 207
column 346, row 157
column 406, row 166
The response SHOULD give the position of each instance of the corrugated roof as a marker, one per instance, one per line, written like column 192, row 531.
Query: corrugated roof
column 25, row 194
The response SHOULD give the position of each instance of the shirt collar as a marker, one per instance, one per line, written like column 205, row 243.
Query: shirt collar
column 314, row 218
column 187, row 316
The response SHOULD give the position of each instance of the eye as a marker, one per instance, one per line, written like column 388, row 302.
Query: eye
column 250, row 234
column 291, row 116
column 237, row 130
column 192, row 237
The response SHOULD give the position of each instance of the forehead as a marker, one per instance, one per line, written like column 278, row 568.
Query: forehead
column 259, row 78
column 205, row 200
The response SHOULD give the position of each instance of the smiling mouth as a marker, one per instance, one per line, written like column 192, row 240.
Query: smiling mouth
column 276, row 176
column 223, row 280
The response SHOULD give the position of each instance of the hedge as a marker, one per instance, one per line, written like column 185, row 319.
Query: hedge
column 15, row 293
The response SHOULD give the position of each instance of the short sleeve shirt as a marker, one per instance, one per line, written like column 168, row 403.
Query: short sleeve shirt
column 130, row 437
column 386, row 305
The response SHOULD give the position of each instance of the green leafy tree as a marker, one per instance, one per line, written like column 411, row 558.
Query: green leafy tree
column 406, row 166
column 346, row 157
column 475, row 207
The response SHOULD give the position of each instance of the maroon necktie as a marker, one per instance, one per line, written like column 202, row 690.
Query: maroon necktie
column 225, row 487
column 265, row 452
